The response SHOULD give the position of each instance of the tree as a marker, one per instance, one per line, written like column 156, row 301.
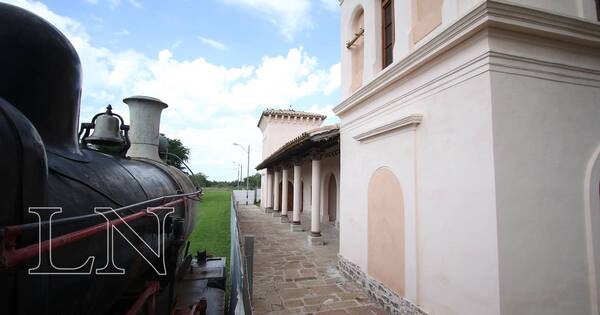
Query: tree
column 177, row 148
column 253, row 181
column 201, row 180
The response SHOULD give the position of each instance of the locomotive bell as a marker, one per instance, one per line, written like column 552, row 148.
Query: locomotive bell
column 106, row 130
column 110, row 133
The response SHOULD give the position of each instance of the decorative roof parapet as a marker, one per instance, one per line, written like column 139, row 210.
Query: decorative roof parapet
column 289, row 113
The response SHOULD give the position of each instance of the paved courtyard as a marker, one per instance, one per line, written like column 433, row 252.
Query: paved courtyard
column 291, row 277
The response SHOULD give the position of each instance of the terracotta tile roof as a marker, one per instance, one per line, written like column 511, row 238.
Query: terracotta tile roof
column 290, row 113
column 305, row 141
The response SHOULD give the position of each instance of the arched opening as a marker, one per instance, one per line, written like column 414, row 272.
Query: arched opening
column 357, row 50
column 386, row 230
column 332, row 199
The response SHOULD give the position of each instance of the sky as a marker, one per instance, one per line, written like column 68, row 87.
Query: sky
column 217, row 64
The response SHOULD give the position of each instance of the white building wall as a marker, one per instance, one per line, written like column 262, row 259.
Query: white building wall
column 278, row 131
column 494, row 178
column 546, row 129
column 446, row 170
column 403, row 46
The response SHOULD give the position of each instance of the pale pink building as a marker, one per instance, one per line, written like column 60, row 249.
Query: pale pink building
column 469, row 155
column 470, row 135
column 300, row 164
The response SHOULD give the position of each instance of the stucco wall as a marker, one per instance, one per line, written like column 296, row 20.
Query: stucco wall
column 546, row 128
column 405, row 25
column 445, row 167
column 497, row 180
column 278, row 131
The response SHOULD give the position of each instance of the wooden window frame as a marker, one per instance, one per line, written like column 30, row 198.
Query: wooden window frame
column 384, row 4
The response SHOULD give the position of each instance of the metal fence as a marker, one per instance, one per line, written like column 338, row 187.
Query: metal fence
column 240, row 301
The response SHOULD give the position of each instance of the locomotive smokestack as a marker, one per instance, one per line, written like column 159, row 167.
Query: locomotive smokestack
column 144, row 117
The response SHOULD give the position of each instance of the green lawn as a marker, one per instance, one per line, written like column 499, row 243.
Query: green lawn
column 212, row 231
column 212, row 225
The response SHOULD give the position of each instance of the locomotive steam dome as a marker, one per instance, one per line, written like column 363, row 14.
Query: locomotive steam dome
column 40, row 74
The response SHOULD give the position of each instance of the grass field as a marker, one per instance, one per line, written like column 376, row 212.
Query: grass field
column 212, row 232
column 212, row 225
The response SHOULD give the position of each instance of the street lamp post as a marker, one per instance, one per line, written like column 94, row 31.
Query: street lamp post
column 239, row 173
column 247, row 167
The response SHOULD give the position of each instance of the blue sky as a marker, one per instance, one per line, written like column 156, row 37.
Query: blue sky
column 217, row 63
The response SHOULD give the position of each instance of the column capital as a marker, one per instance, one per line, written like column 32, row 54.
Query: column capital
column 316, row 155
column 297, row 161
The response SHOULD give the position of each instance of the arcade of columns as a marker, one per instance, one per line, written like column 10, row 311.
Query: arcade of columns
column 279, row 208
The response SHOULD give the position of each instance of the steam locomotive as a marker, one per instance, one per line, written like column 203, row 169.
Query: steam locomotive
column 86, row 210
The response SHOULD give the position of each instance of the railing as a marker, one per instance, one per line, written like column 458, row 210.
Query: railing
column 11, row 256
column 240, row 301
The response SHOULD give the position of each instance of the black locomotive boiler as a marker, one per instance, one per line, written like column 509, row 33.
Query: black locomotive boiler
column 50, row 162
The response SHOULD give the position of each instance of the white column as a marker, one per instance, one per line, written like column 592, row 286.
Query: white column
column 284, row 193
column 277, row 204
column 297, row 192
column 263, row 181
column 269, row 190
column 315, row 222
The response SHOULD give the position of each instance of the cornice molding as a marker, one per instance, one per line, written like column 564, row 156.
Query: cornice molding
column 409, row 121
column 489, row 14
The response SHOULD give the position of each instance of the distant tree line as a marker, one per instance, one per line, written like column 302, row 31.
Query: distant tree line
column 202, row 180
column 182, row 152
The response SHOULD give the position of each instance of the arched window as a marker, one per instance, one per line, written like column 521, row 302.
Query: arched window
column 357, row 50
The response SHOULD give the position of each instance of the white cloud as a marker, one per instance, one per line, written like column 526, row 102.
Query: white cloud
column 210, row 105
column 114, row 4
column 334, row 78
column 326, row 110
column 176, row 44
column 332, row 5
column 213, row 43
column 290, row 17
column 123, row 33
column 135, row 3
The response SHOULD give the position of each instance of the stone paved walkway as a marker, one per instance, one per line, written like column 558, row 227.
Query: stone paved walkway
column 291, row 277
